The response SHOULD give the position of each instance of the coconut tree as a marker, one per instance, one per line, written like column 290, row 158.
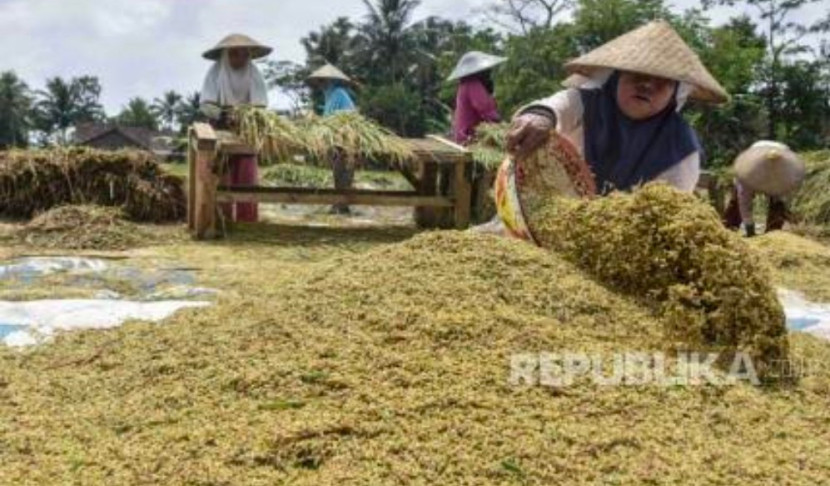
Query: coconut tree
column 138, row 113
column 385, row 37
column 188, row 111
column 63, row 104
column 15, row 103
column 166, row 108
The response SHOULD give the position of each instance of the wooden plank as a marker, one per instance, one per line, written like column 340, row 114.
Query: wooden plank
column 206, row 182
column 410, row 177
column 355, row 197
column 462, row 194
column 191, row 186
column 203, row 135
column 230, row 144
column 434, row 151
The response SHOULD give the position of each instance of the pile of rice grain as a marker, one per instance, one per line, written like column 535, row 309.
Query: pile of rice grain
column 671, row 251
column 392, row 367
column 83, row 227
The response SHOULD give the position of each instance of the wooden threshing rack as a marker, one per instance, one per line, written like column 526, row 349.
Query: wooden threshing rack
column 433, row 156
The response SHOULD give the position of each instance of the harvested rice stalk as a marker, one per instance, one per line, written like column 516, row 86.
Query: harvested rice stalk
column 671, row 250
column 274, row 137
column 354, row 137
column 33, row 181
column 812, row 202
column 489, row 146
column 84, row 227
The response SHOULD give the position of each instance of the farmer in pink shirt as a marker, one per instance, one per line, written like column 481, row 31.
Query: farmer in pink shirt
column 474, row 102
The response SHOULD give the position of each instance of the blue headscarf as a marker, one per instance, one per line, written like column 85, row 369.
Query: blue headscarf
column 624, row 153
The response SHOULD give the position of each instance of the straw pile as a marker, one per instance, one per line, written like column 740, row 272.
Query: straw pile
column 38, row 180
column 346, row 133
column 392, row 367
column 812, row 202
column 83, row 228
column 671, row 250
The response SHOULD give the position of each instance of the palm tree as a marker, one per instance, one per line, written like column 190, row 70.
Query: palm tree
column 138, row 113
column 385, row 37
column 189, row 111
column 15, row 103
column 165, row 108
column 63, row 104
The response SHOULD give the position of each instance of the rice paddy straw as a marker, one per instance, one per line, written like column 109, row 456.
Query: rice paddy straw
column 273, row 136
column 329, row 363
column 489, row 146
column 33, row 181
column 812, row 202
column 346, row 134
column 83, row 228
column 353, row 136
column 671, row 250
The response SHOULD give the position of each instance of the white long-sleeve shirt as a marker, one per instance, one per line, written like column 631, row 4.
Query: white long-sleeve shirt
column 567, row 105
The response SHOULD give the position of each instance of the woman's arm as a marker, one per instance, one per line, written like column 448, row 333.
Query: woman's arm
column 532, row 123
column 483, row 103
column 685, row 175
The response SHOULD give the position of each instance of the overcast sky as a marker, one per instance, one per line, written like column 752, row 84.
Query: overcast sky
column 144, row 47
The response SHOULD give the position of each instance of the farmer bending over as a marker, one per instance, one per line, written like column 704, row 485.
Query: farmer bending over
column 234, row 80
column 768, row 168
column 622, row 111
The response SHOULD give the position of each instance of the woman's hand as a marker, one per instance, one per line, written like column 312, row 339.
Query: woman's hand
column 529, row 132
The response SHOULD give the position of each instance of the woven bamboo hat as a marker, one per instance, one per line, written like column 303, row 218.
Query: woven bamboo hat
column 329, row 72
column 770, row 168
column 474, row 62
column 239, row 41
column 654, row 49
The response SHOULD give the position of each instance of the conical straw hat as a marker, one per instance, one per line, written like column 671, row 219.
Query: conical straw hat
column 237, row 40
column 770, row 168
column 474, row 62
column 330, row 72
column 654, row 49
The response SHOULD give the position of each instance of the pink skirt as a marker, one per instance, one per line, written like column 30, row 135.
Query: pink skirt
column 243, row 171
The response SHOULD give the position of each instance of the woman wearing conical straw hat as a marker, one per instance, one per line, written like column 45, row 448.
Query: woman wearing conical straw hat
column 234, row 80
column 621, row 111
column 334, row 84
column 474, row 102
column 769, row 168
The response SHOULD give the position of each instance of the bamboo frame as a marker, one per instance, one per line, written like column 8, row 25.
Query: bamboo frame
column 207, row 146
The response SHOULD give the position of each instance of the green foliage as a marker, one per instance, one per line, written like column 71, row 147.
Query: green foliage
column 534, row 68
column 64, row 104
column 166, row 108
column 15, row 102
column 396, row 107
column 138, row 113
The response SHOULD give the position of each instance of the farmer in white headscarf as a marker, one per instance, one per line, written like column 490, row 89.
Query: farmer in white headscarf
column 234, row 80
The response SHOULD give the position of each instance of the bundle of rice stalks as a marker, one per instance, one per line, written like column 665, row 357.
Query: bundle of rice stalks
column 350, row 135
column 812, row 202
column 489, row 146
column 671, row 250
column 274, row 137
column 37, row 180
column 84, row 227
